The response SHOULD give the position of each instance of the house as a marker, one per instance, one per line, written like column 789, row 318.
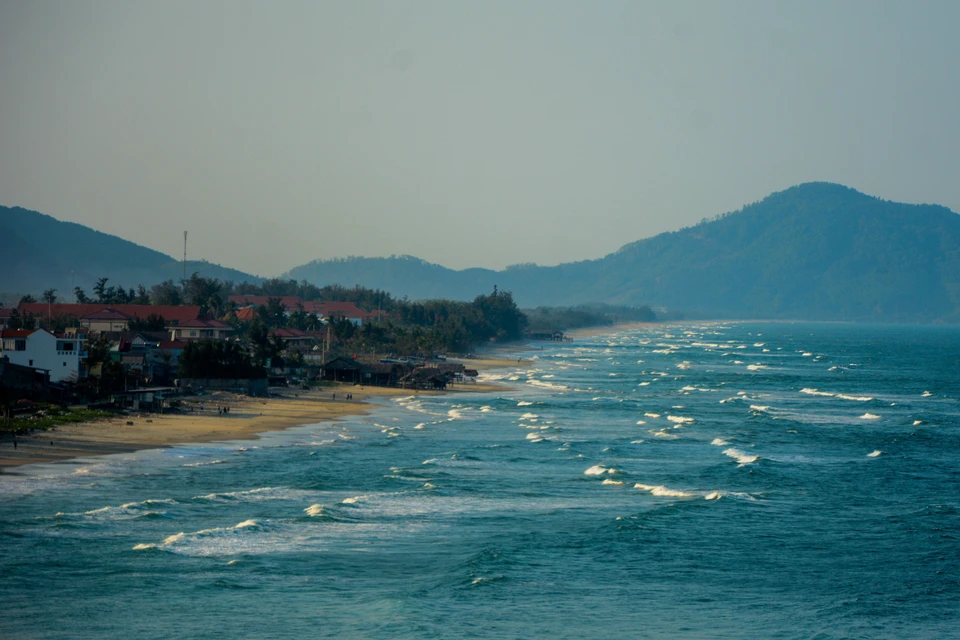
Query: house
column 347, row 310
column 5, row 314
column 293, row 337
column 546, row 334
column 62, row 355
column 247, row 314
column 45, row 311
column 17, row 377
column 424, row 378
column 106, row 320
column 193, row 330
column 342, row 369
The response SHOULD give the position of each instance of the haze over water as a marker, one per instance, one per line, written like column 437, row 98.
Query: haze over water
column 706, row 480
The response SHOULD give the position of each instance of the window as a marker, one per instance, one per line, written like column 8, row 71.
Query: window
column 64, row 364
column 67, row 346
column 31, row 364
column 20, row 345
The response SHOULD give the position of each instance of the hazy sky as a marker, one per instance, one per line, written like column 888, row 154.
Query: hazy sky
column 466, row 133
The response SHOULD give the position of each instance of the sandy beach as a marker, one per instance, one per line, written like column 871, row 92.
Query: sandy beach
column 248, row 417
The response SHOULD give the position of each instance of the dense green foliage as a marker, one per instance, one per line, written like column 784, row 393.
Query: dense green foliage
column 217, row 359
column 596, row 315
column 53, row 416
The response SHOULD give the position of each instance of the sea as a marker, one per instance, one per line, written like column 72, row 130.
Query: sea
column 699, row 480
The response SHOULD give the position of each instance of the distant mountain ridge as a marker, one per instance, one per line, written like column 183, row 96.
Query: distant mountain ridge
column 39, row 252
column 817, row 251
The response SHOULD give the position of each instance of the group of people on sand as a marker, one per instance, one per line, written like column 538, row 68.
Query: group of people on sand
column 349, row 396
column 221, row 410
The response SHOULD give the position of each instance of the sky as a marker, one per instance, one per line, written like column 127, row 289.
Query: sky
column 465, row 133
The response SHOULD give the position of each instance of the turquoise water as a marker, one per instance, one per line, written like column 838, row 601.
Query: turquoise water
column 707, row 480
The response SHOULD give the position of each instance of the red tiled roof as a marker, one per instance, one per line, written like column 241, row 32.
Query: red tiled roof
column 168, row 313
column 290, row 302
column 290, row 333
column 16, row 333
column 5, row 312
column 247, row 314
column 203, row 324
column 107, row 314
column 172, row 345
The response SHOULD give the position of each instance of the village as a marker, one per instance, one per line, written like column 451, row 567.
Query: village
column 145, row 357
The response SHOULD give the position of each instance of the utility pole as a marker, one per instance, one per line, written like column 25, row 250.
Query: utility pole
column 184, row 256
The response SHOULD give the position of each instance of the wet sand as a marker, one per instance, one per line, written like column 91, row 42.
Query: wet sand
column 247, row 418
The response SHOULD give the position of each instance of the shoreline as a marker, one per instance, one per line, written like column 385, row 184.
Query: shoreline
column 248, row 418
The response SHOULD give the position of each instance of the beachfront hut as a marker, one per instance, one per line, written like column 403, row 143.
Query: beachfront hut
column 342, row 369
column 425, row 378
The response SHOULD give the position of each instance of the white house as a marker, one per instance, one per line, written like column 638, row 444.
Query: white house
column 61, row 355
column 191, row 330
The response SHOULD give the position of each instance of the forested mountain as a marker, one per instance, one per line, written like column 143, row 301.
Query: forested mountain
column 814, row 251
column 39, row 252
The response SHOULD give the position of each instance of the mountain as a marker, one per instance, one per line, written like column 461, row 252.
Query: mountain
column 815, row 251
column 39, row 252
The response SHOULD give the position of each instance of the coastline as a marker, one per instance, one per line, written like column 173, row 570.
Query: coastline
column 248, row 418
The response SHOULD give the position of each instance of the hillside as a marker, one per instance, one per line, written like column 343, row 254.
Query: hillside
column 39, row 252
column 814, row 251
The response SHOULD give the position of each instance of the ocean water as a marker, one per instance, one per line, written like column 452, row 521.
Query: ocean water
column 709, row 480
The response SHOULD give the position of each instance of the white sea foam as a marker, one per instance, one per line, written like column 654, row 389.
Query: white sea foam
column 917, row 422
column 612, row 482
column 869, row 416
column 713, row 495
column 141, row 547
column 874, row 454
column 680, row 420
column 652, row 415
column 314, row 510
column 662, row 491
column 719, row 442
column 759, row 407
column 454, row 414
column 524, row 403
column 641, row 422
column 636, row 442
column 529, row 416
column 740, row 456
column 817, row 392
column 486, row 409
column 204, row 464
column 926, row 394
column 663, row 433
column 854, row 398
column 597, row 470
column 755, row 367
column 547, row 385
column 688, row 388
column 420, row 426
column 644, row 384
